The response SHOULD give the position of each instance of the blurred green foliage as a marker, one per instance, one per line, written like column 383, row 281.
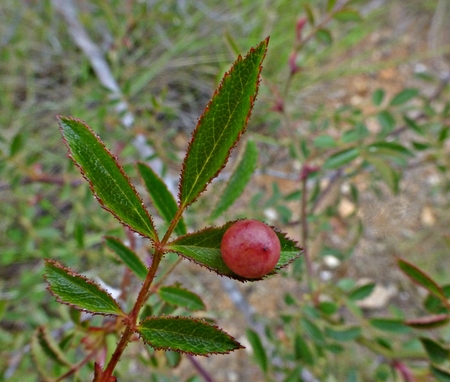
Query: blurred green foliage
column 368, row 152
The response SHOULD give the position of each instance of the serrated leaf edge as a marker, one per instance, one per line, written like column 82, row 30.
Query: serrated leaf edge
column 200, row 120
column 199, row 320
column 75, row 274
column 91, row 186
column 234, row 276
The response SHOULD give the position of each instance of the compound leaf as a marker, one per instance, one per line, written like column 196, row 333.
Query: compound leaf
column 203, row 247
column 221, row 125
column 186, row 335
column 78, row 291
column 106, row 177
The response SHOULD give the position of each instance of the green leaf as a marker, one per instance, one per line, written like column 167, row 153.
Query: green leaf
column 312, row 330
column 78, row 291
column 389, row 325
column 347, row 14
column 16, row 145
column 221, row 125
column 386, row 121
column 173, row 358
column 324, row 141
column 330, row 5
column 238, row 180
column 341, row 158
column 389, row 148
column 324, row 36
column 107, row 179
column 309, row 13
column 186, row 335
column 161, row 197
column 130, row 258
column 413, row 125
column 178, row 296
column 203, row 247
column 421, row 278
column 302, row 352
column 344, row 333
column 404, row 96
column 377, row 97
column 42, row 338
column 361, row 292
column 386, row 172
column 436, row 352
column 328, row 308
column 435, row 305
column 441, row 374
column 258, row 350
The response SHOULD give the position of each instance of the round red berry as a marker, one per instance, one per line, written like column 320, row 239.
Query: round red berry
column 250, row 248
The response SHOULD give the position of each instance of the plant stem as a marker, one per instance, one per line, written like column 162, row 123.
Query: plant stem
column 304, row 220
column 130, row 321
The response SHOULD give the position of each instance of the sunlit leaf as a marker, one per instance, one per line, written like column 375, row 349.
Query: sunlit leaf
column 186, row 335
column 107, row 179
column 221, row 125
column 78, row 291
